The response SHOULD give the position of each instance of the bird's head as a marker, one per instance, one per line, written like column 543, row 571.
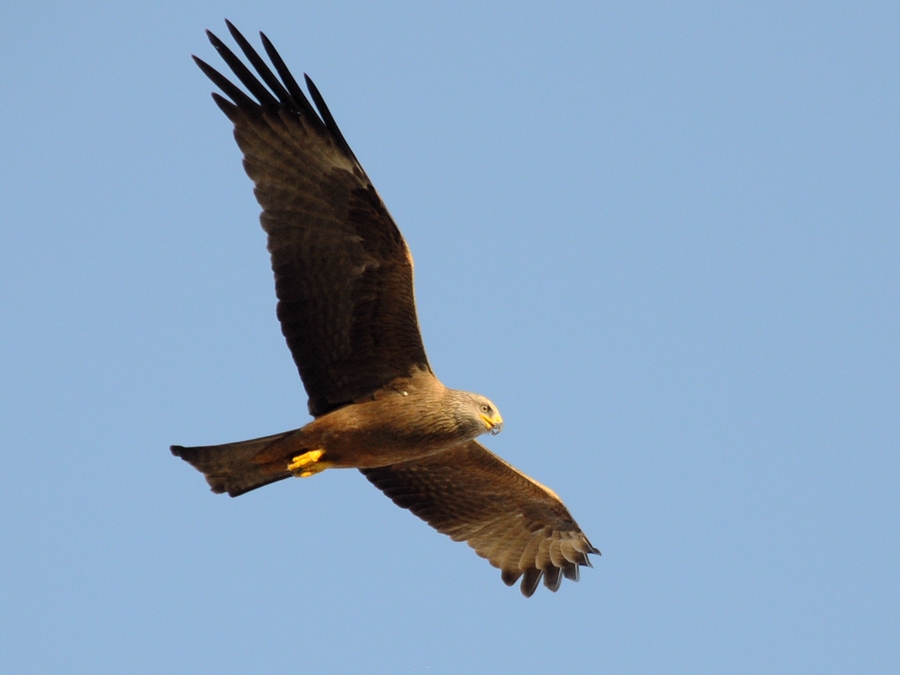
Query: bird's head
column 474, row 414
column 488, row 414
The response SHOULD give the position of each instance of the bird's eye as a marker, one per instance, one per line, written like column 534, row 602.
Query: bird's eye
column 485, row 408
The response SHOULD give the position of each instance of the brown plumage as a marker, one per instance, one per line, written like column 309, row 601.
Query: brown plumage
column 344, row 282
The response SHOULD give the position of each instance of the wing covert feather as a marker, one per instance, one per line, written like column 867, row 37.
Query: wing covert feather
column 472, row 495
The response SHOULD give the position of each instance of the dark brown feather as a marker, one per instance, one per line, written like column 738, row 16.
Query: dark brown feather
column 472, row 495
column 343, row 274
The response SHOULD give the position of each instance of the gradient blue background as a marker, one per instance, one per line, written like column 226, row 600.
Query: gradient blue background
column 663, row 237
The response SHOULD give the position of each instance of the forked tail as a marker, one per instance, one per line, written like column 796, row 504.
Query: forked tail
column 237, row 468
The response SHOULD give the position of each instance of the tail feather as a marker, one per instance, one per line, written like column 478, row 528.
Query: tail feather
column 237, row 468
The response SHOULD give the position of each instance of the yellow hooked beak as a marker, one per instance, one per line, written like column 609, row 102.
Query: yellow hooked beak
column 494, row 424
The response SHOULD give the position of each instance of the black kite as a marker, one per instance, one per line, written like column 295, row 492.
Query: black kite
column 344, row 281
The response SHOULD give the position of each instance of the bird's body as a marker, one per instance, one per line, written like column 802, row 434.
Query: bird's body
column 409, row 419
column 344, row 282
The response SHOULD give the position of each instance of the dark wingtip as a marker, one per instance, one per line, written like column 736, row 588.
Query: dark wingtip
column 326, row 116
column 530, row 581
column 570, row 571
column 234, row 93
column 296, row 93
column 227, row 107
column 552, row 578
column 510, row 577
column 176, row 449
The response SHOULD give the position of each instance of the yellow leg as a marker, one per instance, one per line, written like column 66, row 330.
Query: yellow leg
column 308, row 464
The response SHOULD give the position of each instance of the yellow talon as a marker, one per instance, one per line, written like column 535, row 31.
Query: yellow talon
column 308, row 464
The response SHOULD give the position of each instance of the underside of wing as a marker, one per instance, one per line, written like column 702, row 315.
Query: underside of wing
column 472, row 495
column 343, row 273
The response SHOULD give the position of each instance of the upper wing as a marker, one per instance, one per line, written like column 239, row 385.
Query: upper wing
column 472, row 495
column 343, row 274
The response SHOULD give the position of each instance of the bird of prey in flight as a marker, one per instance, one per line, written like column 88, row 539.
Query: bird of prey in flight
column 344, row 282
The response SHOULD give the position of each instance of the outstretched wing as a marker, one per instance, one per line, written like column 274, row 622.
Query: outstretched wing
column 343, row 274
column 515, row 522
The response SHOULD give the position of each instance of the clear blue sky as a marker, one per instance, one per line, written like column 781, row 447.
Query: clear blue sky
column 663, row 237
